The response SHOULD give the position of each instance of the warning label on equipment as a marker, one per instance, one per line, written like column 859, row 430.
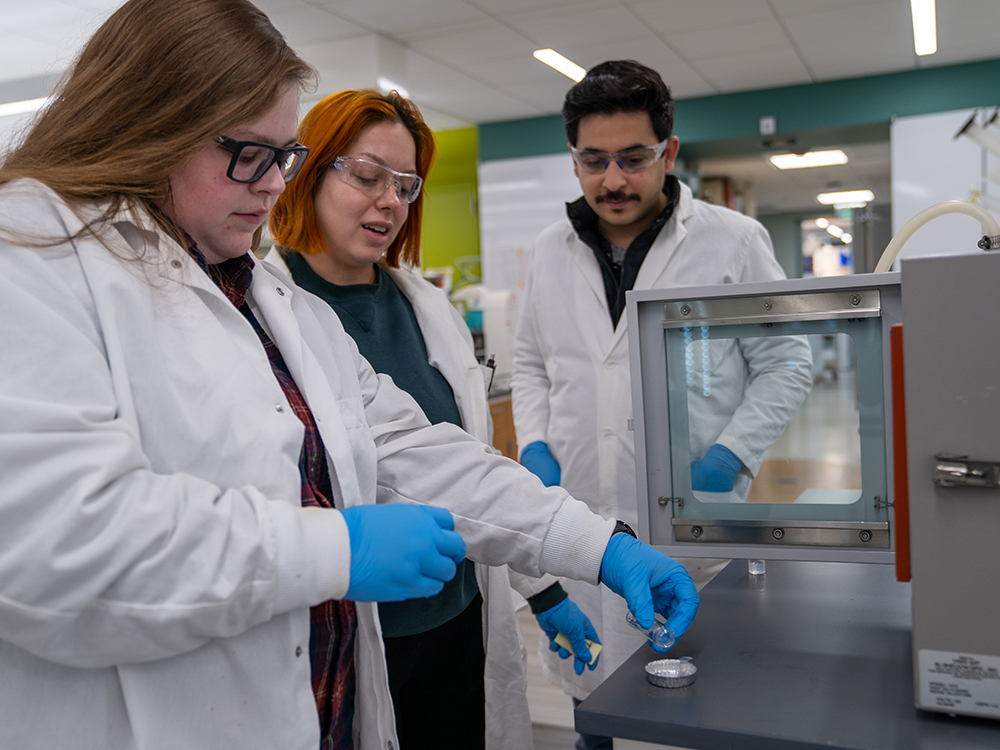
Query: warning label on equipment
column 959, row 683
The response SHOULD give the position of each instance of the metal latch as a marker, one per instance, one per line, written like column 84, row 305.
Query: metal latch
column 959, row 471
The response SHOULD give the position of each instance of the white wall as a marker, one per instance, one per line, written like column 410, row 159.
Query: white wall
column 518, row 198
column 12, row 127
column 930, row 166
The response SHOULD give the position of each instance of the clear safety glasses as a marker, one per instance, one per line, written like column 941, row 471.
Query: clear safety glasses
column 374, row 179
column 252, row 160
column 630, row 160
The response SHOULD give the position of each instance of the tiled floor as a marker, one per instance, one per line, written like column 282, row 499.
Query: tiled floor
column 549, row 706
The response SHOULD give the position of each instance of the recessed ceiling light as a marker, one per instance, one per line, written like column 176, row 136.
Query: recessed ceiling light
column 19, row 108
column 822, row 223
column 835, row 230
column 848, row 196
column 924, row 27
column 554, row 60
column 809, row 159
column 847, row 239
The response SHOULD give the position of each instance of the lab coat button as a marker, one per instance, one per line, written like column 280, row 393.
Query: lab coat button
column 607, row 433
column 280, row 291
column 279, row 408
column 298, row 651
column 175, row 263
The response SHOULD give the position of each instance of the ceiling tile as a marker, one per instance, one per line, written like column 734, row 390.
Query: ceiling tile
column 486, row 42
column 723, row 41
column 589, row 23
column 504, row 8
column 788, row 8
column 754, row 70
column 22, row 57
column 682, row 79
column 397, row 17
column 855, row 41
column 308, row 24
column 452, row 92
column 671, row 16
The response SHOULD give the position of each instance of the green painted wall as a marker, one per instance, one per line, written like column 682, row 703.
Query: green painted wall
column 451, row 218
column 786, row 236
column 854, row 109
column 846, row 111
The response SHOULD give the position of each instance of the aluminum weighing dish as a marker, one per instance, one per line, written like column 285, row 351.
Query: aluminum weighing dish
column 671, row 673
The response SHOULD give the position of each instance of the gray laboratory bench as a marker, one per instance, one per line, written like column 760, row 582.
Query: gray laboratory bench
column 811, row 655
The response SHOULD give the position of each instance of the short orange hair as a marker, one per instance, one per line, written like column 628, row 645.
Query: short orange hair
column 329, row 130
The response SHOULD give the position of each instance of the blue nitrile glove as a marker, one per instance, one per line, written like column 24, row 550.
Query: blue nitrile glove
column 567, row 618
column 649, row 581
column 717, row 471
column 536, row 458
column 401, row 551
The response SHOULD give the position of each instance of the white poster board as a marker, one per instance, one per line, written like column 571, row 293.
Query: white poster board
column 518, row 198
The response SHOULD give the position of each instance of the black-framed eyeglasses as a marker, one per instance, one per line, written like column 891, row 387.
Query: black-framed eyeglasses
column 251, row 160
column 374, row 179
column 630, row 160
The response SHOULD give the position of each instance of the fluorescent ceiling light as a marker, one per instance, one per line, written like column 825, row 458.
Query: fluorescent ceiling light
column 849, row 196
column 855, row 204
column 809, row 159
column 554, row 60
column 924, row 27
column 822, row 223
column 847, row 239
column 386, row 85
column 835, row 230
column 19, row 108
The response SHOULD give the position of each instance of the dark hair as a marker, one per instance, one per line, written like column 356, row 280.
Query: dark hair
column 329, row 130
column 620, row 86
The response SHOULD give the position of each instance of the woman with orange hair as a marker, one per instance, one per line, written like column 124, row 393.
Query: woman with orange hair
column 349, row 231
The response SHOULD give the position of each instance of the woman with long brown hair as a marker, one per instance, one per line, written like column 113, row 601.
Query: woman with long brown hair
column 192, row 448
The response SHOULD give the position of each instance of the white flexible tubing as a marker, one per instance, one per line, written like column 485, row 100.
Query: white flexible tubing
column 984, row 217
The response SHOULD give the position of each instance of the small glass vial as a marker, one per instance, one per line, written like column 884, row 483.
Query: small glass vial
column 659, row 634
column 755, row 567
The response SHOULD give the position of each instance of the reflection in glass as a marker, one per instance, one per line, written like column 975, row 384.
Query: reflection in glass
column 814, row 454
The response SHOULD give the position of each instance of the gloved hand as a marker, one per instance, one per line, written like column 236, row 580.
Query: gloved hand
column 401, row 551
column 567, row 618
column 536, row 458
column 717, row 471
column 649, row 581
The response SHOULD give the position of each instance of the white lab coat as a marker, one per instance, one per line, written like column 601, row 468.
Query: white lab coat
column 451, row 351
column 156, row 568
column 571, row 386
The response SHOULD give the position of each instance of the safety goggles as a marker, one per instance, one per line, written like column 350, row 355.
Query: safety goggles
column 630, row 160
column 251, row 160
column 374, row 179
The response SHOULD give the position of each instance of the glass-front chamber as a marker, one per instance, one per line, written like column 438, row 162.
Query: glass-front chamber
column 789, row 379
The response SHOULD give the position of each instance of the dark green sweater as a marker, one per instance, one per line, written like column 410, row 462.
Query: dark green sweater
column 381, row 321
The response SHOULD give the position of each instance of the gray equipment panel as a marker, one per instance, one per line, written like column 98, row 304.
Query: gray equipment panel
column 951, row 345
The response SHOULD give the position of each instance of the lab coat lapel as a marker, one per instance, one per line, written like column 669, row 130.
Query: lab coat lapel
column 276, row 300
column 594, row 321
column 447, row 350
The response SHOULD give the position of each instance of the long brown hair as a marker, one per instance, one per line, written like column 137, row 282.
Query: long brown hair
column 329, row 130
column 156, row 81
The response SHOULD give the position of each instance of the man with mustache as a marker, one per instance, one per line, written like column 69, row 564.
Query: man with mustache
column 637, row 227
